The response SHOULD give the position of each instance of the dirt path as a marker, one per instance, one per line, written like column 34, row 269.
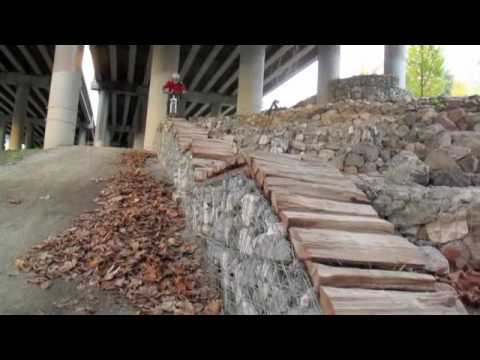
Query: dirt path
column 51, row 188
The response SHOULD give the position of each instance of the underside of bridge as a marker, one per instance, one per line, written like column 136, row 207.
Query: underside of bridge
column 30, row 67
column 210, row 72
column 42, row 87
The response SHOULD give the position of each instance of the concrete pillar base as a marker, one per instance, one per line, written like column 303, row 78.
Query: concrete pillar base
column 82, row 137
column 29, row 136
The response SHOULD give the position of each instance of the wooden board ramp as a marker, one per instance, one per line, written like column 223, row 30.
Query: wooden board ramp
column 356, row 263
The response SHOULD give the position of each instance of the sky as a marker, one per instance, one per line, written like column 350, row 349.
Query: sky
column 463, row 61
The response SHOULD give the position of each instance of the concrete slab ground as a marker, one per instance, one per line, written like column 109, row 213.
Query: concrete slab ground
column 52, row 187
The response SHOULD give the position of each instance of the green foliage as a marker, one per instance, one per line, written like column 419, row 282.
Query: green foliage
column 426, row 75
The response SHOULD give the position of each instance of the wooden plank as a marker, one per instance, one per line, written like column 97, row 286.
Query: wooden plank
column 289, row 159
column 299, row 175
column 347, row 248
column 339, row 184
column 217, row 165
column 211, row 152
column 282, row 201
column 307, row 168
column 321, row 192
column 365, row 224
column 345, row 277
column 338, row 301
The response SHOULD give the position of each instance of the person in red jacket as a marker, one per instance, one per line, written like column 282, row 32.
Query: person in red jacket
column 175, row 89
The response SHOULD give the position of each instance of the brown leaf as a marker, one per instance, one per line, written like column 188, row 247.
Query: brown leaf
column 151, row 273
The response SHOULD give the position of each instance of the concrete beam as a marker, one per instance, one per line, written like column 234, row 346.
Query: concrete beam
column 7, row 118
column 205, row 66
column 133, row 90
column 17, row 79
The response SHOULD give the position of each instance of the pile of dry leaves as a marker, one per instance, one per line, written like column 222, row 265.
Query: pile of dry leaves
column 467, row 284
column 131, row 244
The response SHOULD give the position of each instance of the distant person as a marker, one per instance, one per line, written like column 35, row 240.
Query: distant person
column 273, row 108
column 175, row 89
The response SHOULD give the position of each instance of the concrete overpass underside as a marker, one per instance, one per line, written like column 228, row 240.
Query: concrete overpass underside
column 210, row 72
column 31, row 66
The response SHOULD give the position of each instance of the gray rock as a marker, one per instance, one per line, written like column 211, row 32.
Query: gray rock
column 368, row 151
column 473, row 246
column 353, row 159
column 264, row 140
column 469, row 163
column 435, row 261
column 439, row 160
column 402, row 131
column 407, row 168
column 450, row 177
column 326, row 155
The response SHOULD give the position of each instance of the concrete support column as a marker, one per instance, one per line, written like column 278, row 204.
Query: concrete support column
column 82, row 137
column 29, row 135
column 216, row 108
column 64, row 96
column 328, row 70
column 396, row 63
column 165, row 62
column 139, row 130
column 102, row 119
column 250, row 79
column 19, row 118
column 3, row 127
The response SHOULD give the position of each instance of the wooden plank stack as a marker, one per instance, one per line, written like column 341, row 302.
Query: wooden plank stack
column 211, row 157
column 355, row 261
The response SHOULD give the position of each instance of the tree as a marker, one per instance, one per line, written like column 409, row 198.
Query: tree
column 426, row 75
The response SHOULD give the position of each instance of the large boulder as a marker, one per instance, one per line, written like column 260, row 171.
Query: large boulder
column 406, row 168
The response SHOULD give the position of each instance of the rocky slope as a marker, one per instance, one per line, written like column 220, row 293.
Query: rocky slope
column 418, row 161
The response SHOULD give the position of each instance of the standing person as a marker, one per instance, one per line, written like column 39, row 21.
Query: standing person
column 175, row 89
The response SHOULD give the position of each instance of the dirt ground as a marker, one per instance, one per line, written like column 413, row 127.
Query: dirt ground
column 39, row 196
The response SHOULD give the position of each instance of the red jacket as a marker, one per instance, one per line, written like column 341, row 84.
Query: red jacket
column 173, row 87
